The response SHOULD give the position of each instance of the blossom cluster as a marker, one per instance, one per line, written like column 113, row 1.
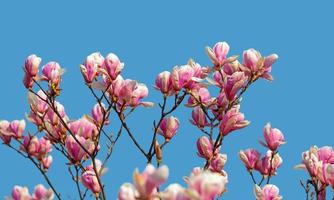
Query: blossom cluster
column 213, row 93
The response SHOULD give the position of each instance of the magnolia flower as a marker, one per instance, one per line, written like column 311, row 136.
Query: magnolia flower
column 90, row 181
column 258, row 65
column 273, row 137
column 206, row 185
column 41, row 193
column 218, row 53
column 249, row 157
column 269, row 164
column 31, row 65
column 145, row 184
column 112, row 66
column 268, row 192
column 98, row 113
column 199, row 118
column 232, row 120
column 75, row 150
column 205, row 148
column 218, row 162
column 168, row 127
column 163, row 82
column 83, row 127
column 200, row 96
column 52, row 72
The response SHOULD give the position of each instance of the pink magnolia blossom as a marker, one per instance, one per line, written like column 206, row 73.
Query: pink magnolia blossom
column 41, row 193
column 233, row 83
column 199, row 118
column 181, row 76
column 218, row 53
column 5, row 132
column 258, row 65
column 129, row 92
column 98, row 113
column 90, row 68
column 268, row 192
column 163, row 82
column 74, row 149
column 206, row 185
column 310, row 161
column 20, row 193
column 31, row 65
column 31, row 145
column 326, row 154
column 200, row 96
column 268, row 164
column 38, row 102
column 205, row 148
column 112, row 66
column 145, row 184
column 218, row 162
column 168, row 127
column 83, row 127
column 17, row 128
column 232, row 120
column 249, row 157
column 90, row 181
column 53, row 117
column 273, row 137
column 52, row 72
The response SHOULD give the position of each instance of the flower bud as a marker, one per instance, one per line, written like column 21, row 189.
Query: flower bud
column 41, row 193
column 199, row 117
column 17, row 128
column 218, row 163
column 218, row 53
column 52, row 72
column 90, row 181
column 31, row 145
column 163, row 82
column 112, row 65
column 74, row 149
column 205, row 148
column 46, row 162
column 5, row 132
column 98, row 113
column 31, row 65
column 168, row 127
column 20, row 193
column 273, row 137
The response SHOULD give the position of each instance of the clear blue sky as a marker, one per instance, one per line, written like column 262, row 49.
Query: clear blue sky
column 152, row 36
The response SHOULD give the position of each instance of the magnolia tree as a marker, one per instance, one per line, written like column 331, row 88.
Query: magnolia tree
column 81, row 141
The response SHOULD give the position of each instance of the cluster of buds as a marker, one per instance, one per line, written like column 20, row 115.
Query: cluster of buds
column 271, row 161
column 104, row 73
column 38, row 148
column 42, row 114
column 40, row 193
column 89, row 178
column 51, row 73
column 267, row 165
column 202, row 184
column 319, row 163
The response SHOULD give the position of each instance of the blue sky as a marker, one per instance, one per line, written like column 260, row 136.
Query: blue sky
column 153, row 36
